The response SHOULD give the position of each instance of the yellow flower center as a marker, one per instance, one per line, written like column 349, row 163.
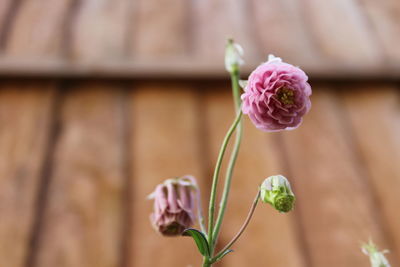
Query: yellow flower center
column 286, row 96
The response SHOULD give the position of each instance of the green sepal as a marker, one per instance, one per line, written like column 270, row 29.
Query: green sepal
column 243, row 83
column 200, row 240
column 222, row 255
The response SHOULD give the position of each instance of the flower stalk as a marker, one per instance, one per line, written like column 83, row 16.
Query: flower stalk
column 244, row 226
column 211, row 209
column 232, row 161
column 232, row 62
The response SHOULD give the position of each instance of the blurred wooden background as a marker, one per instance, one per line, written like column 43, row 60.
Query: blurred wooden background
column 81, row 151
column 340, row 38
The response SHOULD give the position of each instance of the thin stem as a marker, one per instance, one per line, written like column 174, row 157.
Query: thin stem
column 236, row 87
column 200, row 212
column 244, row 226
column 216, row 176
column 232, row 161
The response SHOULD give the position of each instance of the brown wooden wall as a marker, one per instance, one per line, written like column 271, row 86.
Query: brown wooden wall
column 180, row 38
column 80, row 152
column 79, row 159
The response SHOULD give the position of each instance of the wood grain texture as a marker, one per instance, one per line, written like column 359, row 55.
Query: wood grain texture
column 160, row 29
column 216, row 21
column 279, row 25
column 333, row 194
column 341, row 32
column 384, row 21
column 374, row 117
column 37, row 32
column 6, row 7
column 25, row 118
column 82, row 223
column 99, row 30
column 165, row 144
column 270, row 237
column 187, row 38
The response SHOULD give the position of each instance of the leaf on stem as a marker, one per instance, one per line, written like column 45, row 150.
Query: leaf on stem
column 223, row 255
column 200, row 240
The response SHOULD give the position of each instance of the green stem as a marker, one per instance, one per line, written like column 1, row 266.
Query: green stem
column 244, row 226
column 206, row 262
column 233, row 158
column 216, row 176
column 236, row 87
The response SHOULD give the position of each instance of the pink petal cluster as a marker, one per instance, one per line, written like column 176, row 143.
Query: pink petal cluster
column 174, row 205
column 276, row 96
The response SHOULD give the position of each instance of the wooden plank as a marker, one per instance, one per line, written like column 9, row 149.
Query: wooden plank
column 83, row 217
column 216, row 21
column 279, row 25
column 160, row 29
column 25, row 116
column 271, row 236
column 334, row 199
column 6, row 10
column 99, row 31
column 374, row 114
column 165, row 144
column 182, row 69
column 342, row 33
column 37, row 32
column 384, row 17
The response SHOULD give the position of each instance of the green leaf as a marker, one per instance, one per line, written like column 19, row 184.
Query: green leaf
column 200, row 239
column 222, row 255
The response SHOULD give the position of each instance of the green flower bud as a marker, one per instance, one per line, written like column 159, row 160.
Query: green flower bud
column 276, row 191
column 233, row 56
column 376, row 257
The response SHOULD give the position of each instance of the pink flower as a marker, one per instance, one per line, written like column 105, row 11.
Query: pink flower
column 276, row 96
column 174, row 205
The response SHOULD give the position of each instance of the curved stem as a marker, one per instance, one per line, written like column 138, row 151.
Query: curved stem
column 244, row 226
column 232, row 161
column 216, row 176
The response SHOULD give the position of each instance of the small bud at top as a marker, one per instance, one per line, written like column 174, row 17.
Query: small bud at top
column 174, row 205
column 377, row 258
column 233, row 56
column 276, row 191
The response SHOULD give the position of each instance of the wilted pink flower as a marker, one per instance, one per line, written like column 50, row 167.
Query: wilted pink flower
column 174, row 205
column 276, row 96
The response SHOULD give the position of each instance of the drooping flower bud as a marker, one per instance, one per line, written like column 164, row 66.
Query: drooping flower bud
column 174, row 205
column 377, row 258
column 276, row 191
column 233, row 56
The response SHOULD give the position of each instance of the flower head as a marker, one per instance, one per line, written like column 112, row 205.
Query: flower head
column 377, row 258
column 277, row 96
column 174, row 205
column 276, row 191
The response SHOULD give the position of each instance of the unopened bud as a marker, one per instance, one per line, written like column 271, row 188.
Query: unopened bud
column 174, row 205
column 377, row 258
column 276, row 191
column 233, row 56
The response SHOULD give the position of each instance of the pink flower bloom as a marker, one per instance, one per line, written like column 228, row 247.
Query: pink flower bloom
column 277, row 96
column 174, row 205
